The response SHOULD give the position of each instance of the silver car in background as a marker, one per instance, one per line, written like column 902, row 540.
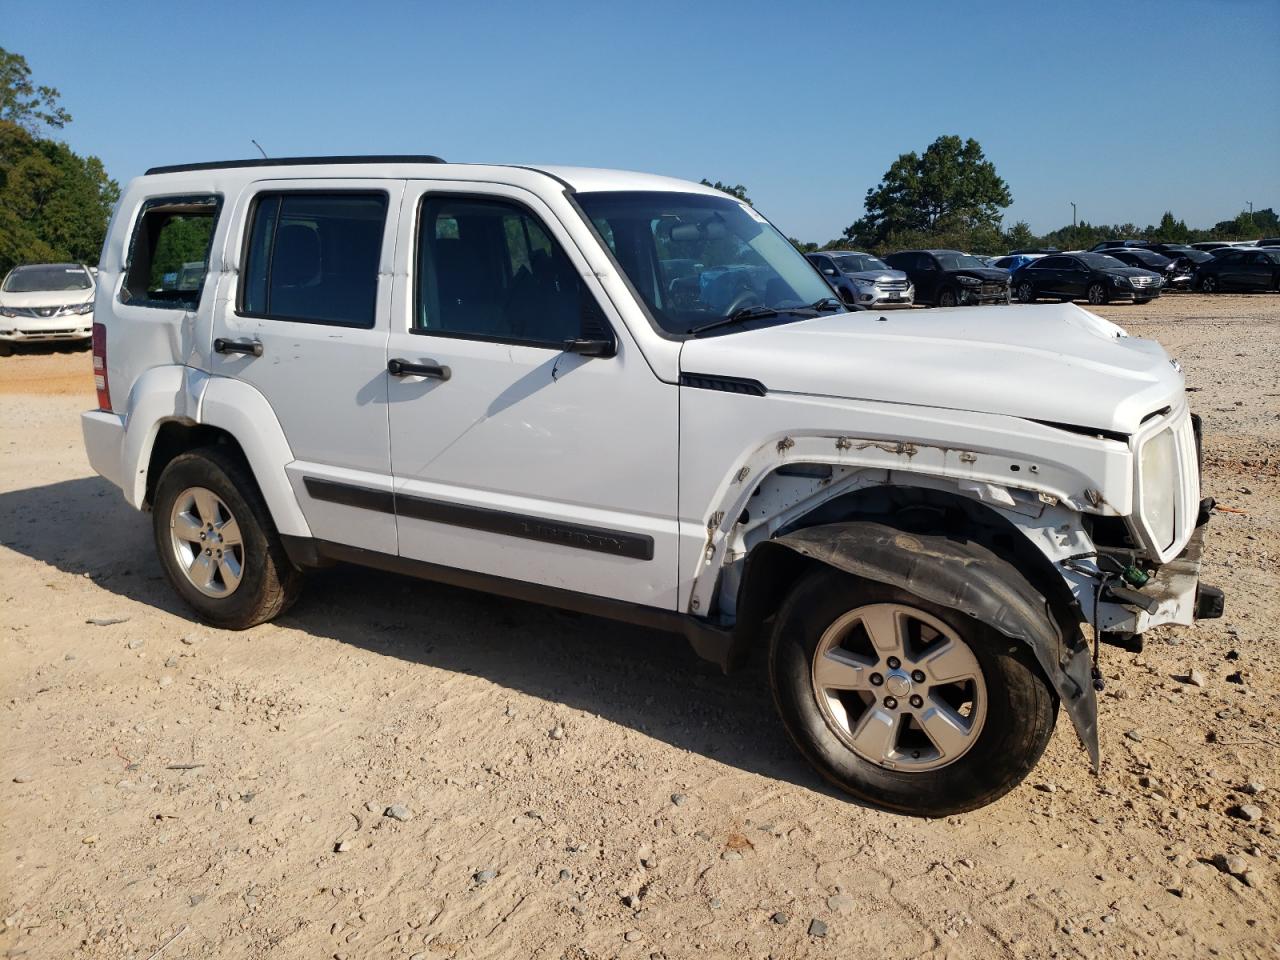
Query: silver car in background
column 864, row 280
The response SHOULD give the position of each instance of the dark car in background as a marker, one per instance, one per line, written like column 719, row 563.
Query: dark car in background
column 863, row 280
column 1096, row 277
column 949, row 278
column 1175, row 275
column 1116, row 245
column 1244, row 268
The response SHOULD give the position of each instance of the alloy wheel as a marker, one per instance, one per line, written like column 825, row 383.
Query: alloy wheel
column 1025, row 292
column 207, row 543
column 899, row 687
column 1097, row 295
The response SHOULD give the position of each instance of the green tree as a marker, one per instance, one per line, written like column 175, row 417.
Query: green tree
column 1020, row 237
column 22, row 102
column 951, row 190
column 802, row 246
column 54, row 203
column 737, row 190
column 1171, row 230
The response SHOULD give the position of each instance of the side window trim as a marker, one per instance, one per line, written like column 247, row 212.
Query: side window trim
column 599, row 315
column 279, row 192
column 149, row 205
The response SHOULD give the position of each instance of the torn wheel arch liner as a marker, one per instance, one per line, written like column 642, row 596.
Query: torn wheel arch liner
column 965, row 576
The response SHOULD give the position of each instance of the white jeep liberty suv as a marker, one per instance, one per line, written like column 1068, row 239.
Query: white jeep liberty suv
column 631, row 396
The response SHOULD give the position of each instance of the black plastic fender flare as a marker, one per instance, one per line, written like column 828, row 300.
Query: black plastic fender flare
column 968, row 577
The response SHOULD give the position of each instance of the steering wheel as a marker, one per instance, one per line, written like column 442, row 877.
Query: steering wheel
column 746, row 298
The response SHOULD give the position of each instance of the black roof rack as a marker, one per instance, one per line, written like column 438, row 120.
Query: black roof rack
column 291, row 162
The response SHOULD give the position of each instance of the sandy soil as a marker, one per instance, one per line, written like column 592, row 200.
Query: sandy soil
column 159, row 778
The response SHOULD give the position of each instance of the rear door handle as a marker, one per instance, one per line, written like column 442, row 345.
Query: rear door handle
column 250, row 348
column 406, row 368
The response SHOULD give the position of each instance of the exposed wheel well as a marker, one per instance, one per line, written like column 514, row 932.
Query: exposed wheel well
column 770, row 574
column 176, row 437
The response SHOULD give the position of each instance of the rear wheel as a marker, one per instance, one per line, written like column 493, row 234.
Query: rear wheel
column 217, row 542
column 949, row 297
column 904, row 704
column 1097, row 294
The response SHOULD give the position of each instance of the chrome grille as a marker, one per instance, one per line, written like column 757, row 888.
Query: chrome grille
column 42, row 313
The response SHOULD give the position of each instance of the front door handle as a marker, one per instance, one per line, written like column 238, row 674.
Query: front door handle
column 406, row 368
column 250, row 348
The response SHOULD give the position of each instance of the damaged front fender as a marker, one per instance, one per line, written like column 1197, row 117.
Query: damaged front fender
column 968, row 577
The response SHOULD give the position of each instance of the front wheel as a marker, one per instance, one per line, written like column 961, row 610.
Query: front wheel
column 1097, row 294
column 1209, row 285
column 906, row 705
column 949, row 297
column 217, row 543
column 1026, row 292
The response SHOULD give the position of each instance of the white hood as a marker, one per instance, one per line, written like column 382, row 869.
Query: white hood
column 45, row 298
column 1055, row 363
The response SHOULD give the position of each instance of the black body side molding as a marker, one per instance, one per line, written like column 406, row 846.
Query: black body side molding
column 708, row 641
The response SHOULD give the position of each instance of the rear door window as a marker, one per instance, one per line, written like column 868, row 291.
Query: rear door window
column 313, row 257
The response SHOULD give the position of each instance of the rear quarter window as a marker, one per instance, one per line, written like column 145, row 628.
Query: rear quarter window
column 168, row 252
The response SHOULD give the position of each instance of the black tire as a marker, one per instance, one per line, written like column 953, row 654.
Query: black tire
column 1026, row 292
column 949, row 297
column 270, row 583
column 1209, row 285
column 1021, row 706
column 1097, row 294
column 6, row 348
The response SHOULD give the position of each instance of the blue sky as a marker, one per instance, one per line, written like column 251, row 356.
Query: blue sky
column 1127, row 107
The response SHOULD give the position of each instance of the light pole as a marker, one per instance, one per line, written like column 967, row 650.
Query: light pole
column 1073, row 214
column 1251, row 221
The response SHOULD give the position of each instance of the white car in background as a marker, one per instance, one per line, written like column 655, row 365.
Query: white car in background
column 46, row 301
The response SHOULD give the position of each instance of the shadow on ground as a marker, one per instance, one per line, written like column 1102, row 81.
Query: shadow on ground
column 643, row 679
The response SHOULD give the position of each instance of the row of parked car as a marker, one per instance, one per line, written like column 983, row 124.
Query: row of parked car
column 1136, row 270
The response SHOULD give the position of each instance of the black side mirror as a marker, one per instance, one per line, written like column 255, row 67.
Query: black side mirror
column 591, row 348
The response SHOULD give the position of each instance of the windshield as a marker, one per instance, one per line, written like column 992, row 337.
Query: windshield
column 960, row 261
column 694, row 259
column 47, row 276
column 1153, row 259
column 1100, row 261
column 858, row 262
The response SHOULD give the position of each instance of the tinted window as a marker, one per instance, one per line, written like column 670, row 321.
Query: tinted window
column 169, row 251
column 1053, row 263
column 960, row 261
column 313, row 257
column 1233, row 257
column 488, row 269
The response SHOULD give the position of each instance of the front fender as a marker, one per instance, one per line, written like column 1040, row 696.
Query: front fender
column 964, row 576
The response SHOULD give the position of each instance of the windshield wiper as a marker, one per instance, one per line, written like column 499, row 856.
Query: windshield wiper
column 755, row 312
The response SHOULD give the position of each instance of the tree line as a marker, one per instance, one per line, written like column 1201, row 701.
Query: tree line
column 951, row 197
column 54, row 203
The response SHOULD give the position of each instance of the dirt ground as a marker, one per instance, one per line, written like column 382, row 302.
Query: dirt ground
column 578, row 789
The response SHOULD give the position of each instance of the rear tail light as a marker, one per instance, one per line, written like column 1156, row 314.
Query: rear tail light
column 100, row 367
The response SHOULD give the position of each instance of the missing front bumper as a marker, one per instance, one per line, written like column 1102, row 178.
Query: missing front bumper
column 1173, row 595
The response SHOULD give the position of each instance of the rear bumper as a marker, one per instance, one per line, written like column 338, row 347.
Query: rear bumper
column 104, row 443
